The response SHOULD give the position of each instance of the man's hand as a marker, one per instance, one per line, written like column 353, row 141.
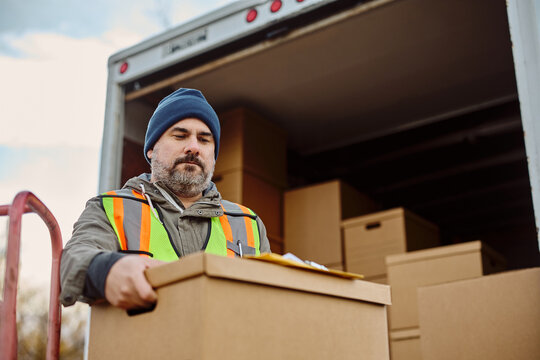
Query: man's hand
column 126, row 286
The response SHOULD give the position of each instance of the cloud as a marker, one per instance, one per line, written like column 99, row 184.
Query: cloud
column 75, row 18
column 56, row 95
column 54, row 15
column 83, row 19
column 63, row 179
column 52, row 102
column 54, row 92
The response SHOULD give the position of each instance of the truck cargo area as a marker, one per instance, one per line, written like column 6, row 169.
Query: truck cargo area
column 412, row 102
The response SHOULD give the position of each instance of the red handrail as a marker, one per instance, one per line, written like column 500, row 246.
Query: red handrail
column 26, row 202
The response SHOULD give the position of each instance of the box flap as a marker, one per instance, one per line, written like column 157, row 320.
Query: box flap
column 377, row 216
column 270, row 274
column 186, row 267
column 442, row 251
column 386, row 215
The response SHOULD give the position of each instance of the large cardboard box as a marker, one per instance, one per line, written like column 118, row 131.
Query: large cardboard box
column 265, row 199
column 312, row 219
column 405, row 344
column 370, row 238
column 252, row 144
column 493, row 317
column 407, row 272
column 212, row 307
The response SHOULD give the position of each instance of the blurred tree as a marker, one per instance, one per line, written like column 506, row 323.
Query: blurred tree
column 32, row 316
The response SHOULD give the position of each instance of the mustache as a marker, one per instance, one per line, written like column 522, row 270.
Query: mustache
column 189, row 158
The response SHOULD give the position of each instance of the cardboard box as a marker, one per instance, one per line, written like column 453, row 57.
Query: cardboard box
column 265, row 199
column 377, row 279
column 370, row 238
column 312, row 219
column 252, row 144
column 212, row 307
column 407, row 272
column 493, row 317
column 405, row 344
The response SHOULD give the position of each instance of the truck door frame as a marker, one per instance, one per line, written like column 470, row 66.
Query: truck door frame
column 524, row 22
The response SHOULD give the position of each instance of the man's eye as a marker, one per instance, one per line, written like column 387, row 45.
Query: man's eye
column 204, row 140
column 180, row 136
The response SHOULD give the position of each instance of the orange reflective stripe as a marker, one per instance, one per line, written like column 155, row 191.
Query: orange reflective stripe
column 249, row 228
column 144, row 241
column 145, row 229
column 137, row 195
column 227, row 231
column 118, row 205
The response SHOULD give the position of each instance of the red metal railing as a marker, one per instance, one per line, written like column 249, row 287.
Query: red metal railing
column 26, row 202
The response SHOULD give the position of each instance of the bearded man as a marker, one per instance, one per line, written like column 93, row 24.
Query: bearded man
column 174, row 211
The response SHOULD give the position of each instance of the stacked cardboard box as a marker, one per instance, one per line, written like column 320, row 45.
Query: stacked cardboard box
column 405, row 344
column 212, row 307
column 260, row 196
column 312, row 220
column 370, row 238
column 251, row 168
column 407, row 272
column 493, row 317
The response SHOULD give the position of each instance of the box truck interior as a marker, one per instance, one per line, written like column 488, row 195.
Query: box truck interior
column 412, row 102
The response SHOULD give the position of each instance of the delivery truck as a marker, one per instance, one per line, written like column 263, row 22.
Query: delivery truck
column 423, row 104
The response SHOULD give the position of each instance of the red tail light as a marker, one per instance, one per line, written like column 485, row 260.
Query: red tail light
column 276, row 5
column 251, row 15
column 123, row 67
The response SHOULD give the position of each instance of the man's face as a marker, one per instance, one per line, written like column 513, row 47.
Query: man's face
column 183, row 157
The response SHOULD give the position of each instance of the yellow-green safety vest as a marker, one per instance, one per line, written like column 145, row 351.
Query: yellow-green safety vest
column 139, row 231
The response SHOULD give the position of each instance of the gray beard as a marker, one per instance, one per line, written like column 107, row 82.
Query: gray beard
column 184, row 183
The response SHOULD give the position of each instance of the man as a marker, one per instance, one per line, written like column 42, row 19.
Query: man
column 174, row 211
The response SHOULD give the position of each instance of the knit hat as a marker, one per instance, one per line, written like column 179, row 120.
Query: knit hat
column 181, row 104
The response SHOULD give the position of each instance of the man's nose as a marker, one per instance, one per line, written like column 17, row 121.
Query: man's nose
column 192, row 146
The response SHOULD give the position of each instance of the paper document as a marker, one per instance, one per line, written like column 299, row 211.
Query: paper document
column 292, row 260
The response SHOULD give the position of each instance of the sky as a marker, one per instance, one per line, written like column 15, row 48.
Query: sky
column 53, row 72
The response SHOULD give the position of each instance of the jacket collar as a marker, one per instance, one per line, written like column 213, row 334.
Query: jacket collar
column 209, row 205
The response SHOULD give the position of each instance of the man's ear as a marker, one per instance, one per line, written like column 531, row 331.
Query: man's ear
column 149, row 154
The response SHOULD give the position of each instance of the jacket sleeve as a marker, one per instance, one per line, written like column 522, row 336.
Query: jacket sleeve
column 265, row 244
column 92, row 235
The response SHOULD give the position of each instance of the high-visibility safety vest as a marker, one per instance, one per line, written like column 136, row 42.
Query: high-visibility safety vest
column 139, row 231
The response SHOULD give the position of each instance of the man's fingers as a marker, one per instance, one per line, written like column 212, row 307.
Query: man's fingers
column 153, row 262
column 138, row 294
column 145, row 291
column 126, row 285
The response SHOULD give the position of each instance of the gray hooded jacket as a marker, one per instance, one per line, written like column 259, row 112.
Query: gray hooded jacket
column 93, row 234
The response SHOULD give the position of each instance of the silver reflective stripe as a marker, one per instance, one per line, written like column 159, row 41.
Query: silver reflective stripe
column 132, row 223
column 238, row 227
column 233, row 208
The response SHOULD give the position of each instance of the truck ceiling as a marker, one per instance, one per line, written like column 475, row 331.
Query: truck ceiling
column 377, row 68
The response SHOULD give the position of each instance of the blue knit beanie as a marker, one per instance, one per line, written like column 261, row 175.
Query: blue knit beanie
column 181, row 104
